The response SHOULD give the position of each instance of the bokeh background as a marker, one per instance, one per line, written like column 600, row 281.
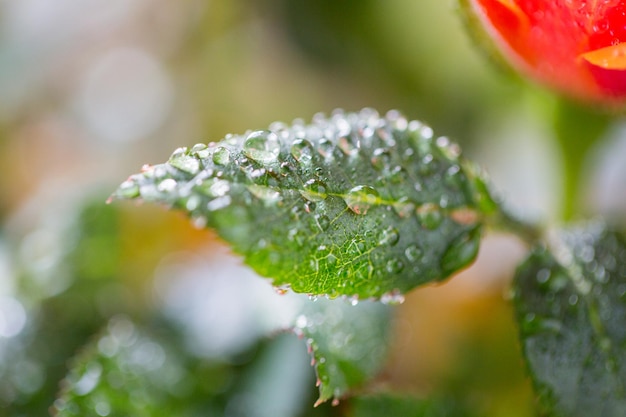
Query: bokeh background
column 92, row 89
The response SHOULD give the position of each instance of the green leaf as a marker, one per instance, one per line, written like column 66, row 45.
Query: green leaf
column 386, row 404
column 572, row 317
column 355, row 204
column 347, row 343
column 61, row 300
column 133, row 370
column 123, row 373
column 145, row 370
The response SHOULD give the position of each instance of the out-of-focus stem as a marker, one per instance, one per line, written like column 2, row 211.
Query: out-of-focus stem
column 577, row 129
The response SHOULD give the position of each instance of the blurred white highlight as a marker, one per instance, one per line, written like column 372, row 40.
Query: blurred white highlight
column 125, row 95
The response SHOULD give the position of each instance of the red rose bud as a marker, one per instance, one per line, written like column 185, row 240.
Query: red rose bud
column 577, row 47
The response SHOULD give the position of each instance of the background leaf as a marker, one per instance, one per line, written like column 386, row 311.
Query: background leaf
column 571, row 317
column 348, row 343
column 132, row 369
column 354, row 204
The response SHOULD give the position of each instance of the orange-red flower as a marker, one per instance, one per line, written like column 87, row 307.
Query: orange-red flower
column 575, row 46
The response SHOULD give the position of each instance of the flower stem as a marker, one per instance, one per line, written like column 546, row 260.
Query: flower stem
column 577, row 129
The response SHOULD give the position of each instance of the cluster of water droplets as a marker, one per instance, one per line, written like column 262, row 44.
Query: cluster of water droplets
column 343, row 185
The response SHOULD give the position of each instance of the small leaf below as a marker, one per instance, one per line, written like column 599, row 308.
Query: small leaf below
column 572, row 317
column 347, row 343
column 354, row 204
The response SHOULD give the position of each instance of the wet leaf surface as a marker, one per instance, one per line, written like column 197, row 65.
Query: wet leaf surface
column 571, row 315
column 347, row 343
column 354, row 204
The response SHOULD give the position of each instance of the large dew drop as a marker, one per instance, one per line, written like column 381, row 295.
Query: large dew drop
column 360, row 198
column 302, row 151
column 200, row 150
column 186, row 163
column 262, row 146
column 221, row 156
column 461, row 251
column 314, row 190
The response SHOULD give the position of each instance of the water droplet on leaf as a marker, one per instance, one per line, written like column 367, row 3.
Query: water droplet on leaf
column 325, row 148
column 216, row 188
column 360, row 198
column 185, row 163
column 450, row 150
column 193, row 203
column 167, row 185
column 349, row 145
column 323, row 222
column 128, row 189
column 404, row 207
column 543, row 275
column 397, row 120
column 413, row 253
column 381, row 159
column 428, row 165
column 389, row 236
column 354, row 300
column 219, row 203
column 394, row 266
column 221, row 156
column 200, row 150
column 394, row 297
column 262, row 146
column 314, row 190
column 302, row 151
column 429, row 216
column 461, row 251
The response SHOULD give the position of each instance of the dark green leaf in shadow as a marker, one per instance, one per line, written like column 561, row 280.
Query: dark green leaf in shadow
column 572, row 317
column 82, row 265
column 354, row 204
column 143, row 370
column 131, row 371
column 347, row 343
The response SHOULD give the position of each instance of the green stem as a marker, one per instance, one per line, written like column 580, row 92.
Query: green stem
column 577, row 129
column 529, row 233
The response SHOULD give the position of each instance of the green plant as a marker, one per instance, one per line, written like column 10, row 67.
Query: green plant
column 345, row 215
column 364, row 207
